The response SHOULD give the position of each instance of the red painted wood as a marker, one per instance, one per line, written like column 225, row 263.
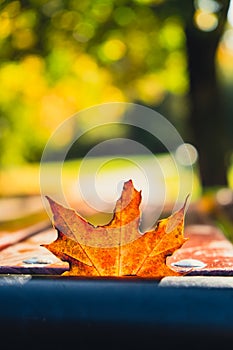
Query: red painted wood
column 206, row 243
column 12, row 259
column 8, row 239
column 209, row 245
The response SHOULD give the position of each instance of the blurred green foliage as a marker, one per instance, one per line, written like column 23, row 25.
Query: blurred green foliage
column 58, row 57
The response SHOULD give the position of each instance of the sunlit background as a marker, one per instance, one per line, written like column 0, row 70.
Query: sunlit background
column 60, row 57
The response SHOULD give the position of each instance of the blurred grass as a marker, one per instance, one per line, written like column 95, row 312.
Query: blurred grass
column 18, row 184
column 24, row 180
column 23, row 222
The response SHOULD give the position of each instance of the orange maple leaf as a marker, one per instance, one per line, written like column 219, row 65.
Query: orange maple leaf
column 118, row 248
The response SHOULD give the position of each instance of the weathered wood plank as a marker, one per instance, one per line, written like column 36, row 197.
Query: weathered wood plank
column 208, row 245
column 30, row 258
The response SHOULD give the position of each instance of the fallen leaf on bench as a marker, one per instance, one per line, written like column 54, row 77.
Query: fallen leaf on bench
column 118, row 248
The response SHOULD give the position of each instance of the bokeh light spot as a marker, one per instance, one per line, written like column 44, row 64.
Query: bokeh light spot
column 84, row 31
column 113, row 49
column 123, row 15
column 186, row 154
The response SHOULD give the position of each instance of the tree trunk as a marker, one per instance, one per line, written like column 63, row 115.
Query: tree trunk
column 207, row 115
